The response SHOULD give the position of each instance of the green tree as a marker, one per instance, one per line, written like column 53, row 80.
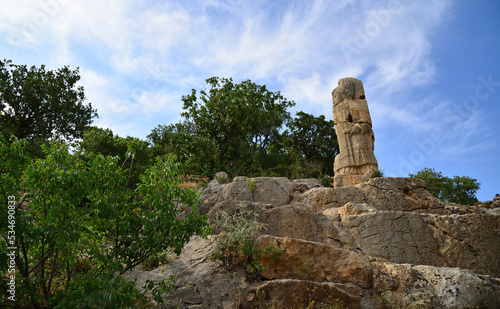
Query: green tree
column 134, row 154
column 459, row 189
column 78, row 227
column 313, row 144
column 239, row 120
column 40, row 105
column 194, row 151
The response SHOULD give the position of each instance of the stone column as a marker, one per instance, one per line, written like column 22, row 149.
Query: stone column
column 356, row 161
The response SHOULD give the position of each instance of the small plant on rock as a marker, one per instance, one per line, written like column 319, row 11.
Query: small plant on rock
column 236, row 247
column 377, row 174
column 222, row 180
column 251, row 184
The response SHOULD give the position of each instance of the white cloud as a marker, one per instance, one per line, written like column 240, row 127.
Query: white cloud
column 149, row 53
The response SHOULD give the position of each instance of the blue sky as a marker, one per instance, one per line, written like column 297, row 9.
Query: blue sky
column 431, row 69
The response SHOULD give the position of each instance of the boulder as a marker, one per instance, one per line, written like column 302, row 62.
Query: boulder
column 399, row 237
column 470, row 241
column 382, row 193
column 209, row 196
column 392, row 194
column 198, row 279
column 293, row 293
column 300, row 186
column 222, row 176
column 435, row 287
column 275, row 190
column 312, row 261
column 386, row 239
column 318, row 199
column 300, row 222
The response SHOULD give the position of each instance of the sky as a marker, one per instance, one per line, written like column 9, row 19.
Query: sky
column 431, row 69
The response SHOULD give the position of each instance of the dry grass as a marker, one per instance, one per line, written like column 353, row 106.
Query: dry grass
column 193, row 181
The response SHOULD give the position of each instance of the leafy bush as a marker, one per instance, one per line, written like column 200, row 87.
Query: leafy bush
column 236, row 247
column 378, row 174
column 326, row 181
column 459, row 189
column 79, row 227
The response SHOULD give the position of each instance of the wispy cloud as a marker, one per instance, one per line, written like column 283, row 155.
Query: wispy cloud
column 150, row 53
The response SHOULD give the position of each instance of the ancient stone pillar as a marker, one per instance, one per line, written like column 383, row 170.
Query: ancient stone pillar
column 356, row 161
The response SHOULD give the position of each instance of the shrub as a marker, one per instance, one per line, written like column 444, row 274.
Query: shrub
column 236, row 247
column 459, row 189
column 83, row 227
column 378, row 174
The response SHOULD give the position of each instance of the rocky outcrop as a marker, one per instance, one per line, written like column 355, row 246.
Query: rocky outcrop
column 436, row 287
column 294, row 293
column 312, row 261
column 387, row 237
column 383, row 193
column 199, row 280
column 277, row 191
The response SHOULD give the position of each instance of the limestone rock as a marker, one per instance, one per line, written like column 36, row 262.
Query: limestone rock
column 435, row 287
column 223, row 176
column 392, row 194
column 199, row 280
column 275, row 190
column 297, row 221
column 470, row 241
column 209, row 196
column 314, row 261
column 293, row 293
column 356, row 161
column 319, row 199
column 383, row 193
column 351, row 209
column 300, row 186
column 398, row 237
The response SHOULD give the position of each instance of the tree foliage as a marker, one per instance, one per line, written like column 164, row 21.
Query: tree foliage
column 194, row 151
column 38, row 104
column 459, row 189
column 312, row 141
column 133, row 154
column 79, row 227
column 240, row 129
column 238, row 120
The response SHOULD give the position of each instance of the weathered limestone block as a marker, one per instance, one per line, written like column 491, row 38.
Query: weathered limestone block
column 199, row 281
column 272, row 190
column 294, row 293
column 435, row 287
column 399, row 237
column 301, row 222
column 356, row 161
column 469, row 241
column 382, row 193
column 392, row 194
column 307, row 260
column 319, row 199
